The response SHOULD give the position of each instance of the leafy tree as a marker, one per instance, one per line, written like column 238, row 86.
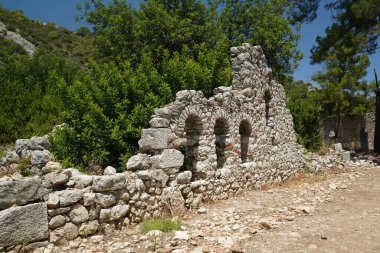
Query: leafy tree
column 303, row 102
column 342, row 90
column 359, row 18
column 31, row 94
column 264, row 23
column 106, row 111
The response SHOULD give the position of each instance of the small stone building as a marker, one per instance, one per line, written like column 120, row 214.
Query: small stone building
column 245, row 127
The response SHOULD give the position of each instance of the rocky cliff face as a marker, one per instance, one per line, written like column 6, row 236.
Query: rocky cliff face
column 16, row 38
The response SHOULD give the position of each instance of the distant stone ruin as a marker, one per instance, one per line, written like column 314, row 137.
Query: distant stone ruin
column 196, row 150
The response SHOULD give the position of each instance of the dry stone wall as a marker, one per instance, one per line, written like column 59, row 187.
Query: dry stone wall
column 197, row 149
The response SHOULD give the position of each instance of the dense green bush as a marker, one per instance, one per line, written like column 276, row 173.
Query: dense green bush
column 105, row 112
column 31, row 94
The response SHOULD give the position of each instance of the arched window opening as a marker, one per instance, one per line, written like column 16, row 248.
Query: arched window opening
column 267, row 99
column 245, row 131
column 193, row 130
column 221, row 131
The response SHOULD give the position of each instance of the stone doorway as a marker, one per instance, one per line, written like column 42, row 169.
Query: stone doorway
column 193, row 130
column 245, row 131
column 221, row 131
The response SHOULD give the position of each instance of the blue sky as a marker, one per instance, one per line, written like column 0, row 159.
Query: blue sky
column 62, row 13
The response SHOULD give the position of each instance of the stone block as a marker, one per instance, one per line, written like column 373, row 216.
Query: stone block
column 337, row 146
column 346, row 156
column 159, row 123
column 108, row 183
column 69, row 197
column 23, row 224
column 20, row 192
column 184, row 177
column 170, row 158
column 139, row 162
column 155, row 138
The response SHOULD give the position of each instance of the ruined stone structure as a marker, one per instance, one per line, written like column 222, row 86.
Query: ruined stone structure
column 197, row 149
column 246, row 127
column 355, row 132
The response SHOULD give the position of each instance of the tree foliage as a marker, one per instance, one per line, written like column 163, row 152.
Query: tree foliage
column 303, row 102
column 45, row 36
column 264, row 23
column 106, row 111
column 31, row 99
column 358, row 18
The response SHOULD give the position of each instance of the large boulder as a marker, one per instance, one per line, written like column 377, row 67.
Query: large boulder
column 156, row 138
column 23, row 224
column 12, row 157
column 108, row 183
column 39, row 143
column 21, row 191
column 39, row 157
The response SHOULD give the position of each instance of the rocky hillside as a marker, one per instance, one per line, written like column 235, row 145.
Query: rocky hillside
column 20, row 35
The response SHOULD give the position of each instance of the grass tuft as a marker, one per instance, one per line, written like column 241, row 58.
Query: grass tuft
column 164, row 224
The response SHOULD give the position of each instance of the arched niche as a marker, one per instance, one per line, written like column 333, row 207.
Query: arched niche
column 193, row 129
column 245, row 131
column 267, row 99
column 221, row 131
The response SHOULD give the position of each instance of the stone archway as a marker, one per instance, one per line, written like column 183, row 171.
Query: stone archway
column 221, row 131
column 245, row 131
column 193, row 129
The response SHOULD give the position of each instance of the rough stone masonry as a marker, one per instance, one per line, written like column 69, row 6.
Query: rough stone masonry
column 197, row 149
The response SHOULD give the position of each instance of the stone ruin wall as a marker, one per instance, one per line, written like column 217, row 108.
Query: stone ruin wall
column 355, row 132
column 196, row 150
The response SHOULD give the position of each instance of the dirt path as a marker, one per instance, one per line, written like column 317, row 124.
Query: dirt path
column 334, row 211
column 350, row 222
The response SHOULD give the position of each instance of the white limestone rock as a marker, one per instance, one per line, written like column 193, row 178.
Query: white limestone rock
column 78, row 214
column 105, row 200
column 109, row 170
column 139, row 162
column 184, row 177
column 108, row 183
column 155, row 138
column 69, row 197
column 170, row 158
column 40, row 157
column 89, row 228
column 57, row 221
column 52, row 167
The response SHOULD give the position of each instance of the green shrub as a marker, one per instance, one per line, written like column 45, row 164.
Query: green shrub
column 32, row 90
column 164, row 224
column 23, row 167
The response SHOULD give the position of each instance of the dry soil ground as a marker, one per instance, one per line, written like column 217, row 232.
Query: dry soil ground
column 333, row 211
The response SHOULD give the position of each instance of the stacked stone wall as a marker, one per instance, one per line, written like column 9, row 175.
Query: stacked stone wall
column 197, row 149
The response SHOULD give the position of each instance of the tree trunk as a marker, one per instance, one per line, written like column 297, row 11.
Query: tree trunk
column 376, row 141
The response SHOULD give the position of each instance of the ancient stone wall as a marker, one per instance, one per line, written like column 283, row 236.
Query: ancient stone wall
column 354, row 132
column 197, row 149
